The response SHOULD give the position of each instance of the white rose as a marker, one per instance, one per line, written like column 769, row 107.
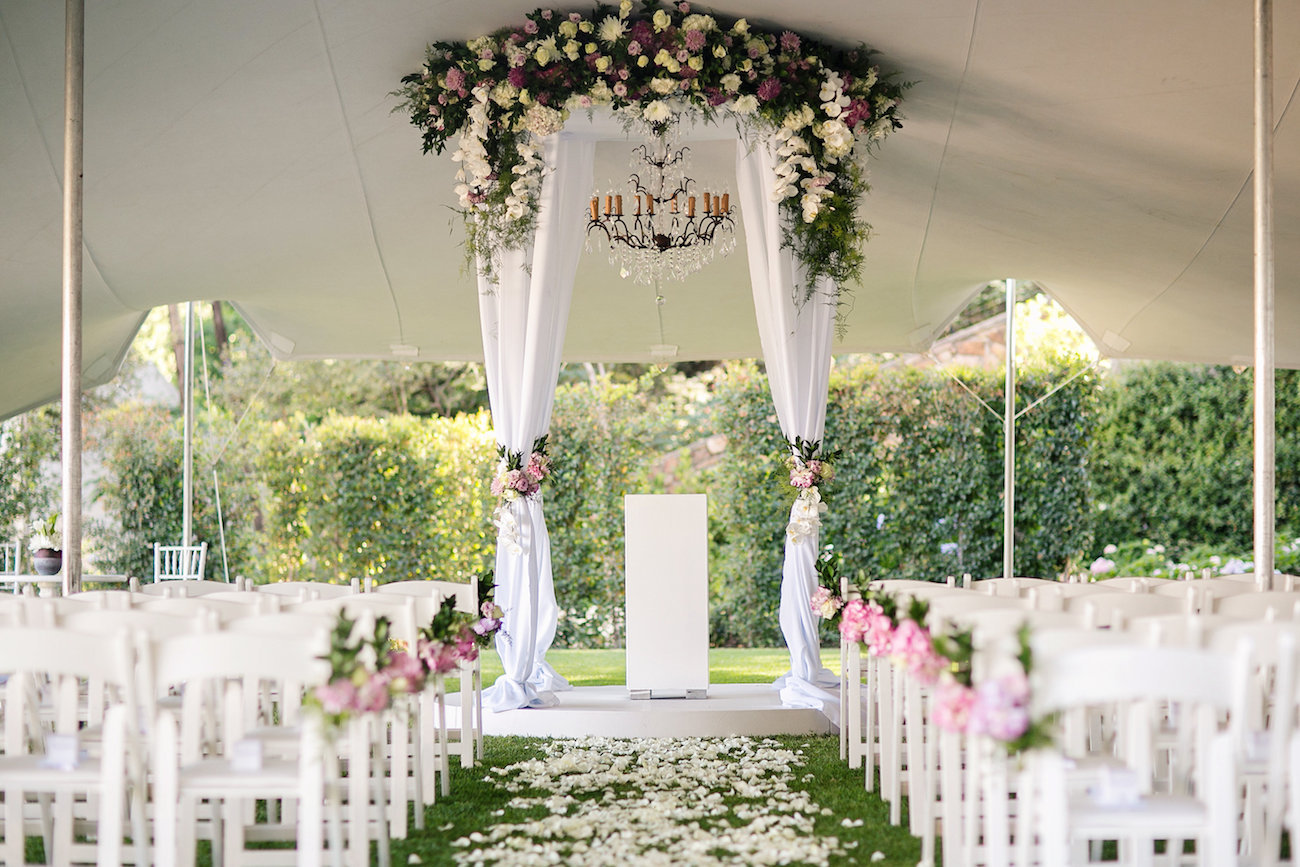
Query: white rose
column 747, row 104
column 741, row 26
column 657, row 111
column 661, row 21
column 569, row 29
column 662, row 86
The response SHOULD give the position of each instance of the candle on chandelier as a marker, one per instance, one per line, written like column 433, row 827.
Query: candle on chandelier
column 690, row 206
column 609, row 203
column 594, row 208
column 708, row 208
column 649, row 204
column 618, row 205
column 638, row 204
column 726, row 203
column 674, row 204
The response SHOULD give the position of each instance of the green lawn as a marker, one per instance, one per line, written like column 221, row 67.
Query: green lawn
column 608, row 667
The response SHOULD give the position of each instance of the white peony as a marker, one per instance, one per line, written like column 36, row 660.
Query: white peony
column 657, row 112
column 699, row 22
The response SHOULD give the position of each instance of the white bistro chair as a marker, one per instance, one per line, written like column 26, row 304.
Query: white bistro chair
column 179, row 562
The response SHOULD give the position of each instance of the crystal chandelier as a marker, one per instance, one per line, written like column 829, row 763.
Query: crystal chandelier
column 668, row 232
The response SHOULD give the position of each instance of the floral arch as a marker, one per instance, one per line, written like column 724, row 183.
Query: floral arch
column 806, row 115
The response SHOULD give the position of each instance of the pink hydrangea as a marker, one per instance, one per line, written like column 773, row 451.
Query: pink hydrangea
column 1001, row 707
column 694, row 39
column 337, row 696
column 879, row 636
column 952, row 706
column 455, row 79
column 854, row 621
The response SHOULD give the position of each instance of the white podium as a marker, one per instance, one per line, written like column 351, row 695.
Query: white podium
column 667, row 595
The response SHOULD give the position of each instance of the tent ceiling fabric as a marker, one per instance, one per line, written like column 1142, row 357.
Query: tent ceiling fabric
column 249, row 151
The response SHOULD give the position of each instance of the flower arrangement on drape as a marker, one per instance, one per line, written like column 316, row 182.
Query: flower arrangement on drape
column 808, row 114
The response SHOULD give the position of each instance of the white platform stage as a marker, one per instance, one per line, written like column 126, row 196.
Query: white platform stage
column 730, row 709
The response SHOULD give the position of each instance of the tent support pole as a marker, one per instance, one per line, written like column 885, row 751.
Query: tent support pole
column 187, row 473
column 1265, row 423
column 73, row 114
column 1009, row 440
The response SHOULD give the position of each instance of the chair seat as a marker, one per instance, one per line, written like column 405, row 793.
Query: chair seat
column 1171, row 813
column 30, row 773
column 217, row 778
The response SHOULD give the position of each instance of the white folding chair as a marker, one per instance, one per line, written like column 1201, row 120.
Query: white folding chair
column 1260, row 605
column 179, row 562
column 1149, row 687
column 1114, row 610
column 205, row 754
column 467, row 742
column 85, row 679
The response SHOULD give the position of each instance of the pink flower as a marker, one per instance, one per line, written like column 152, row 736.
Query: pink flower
column 404, row 673
column 455, row 79
column 338, row 696
column 913, row 649
column 575, row 17
column 373, row 695
column 879, row 634
column 790, row 41
column 855, row 620
column 1001, row 707
column 823, row 603
column 634, row 48
column 539, row 466
column 487, row 625
column 547, row 13
column 694, row 40
column 683, row 55
column 466, row 646
column 530, row 27
column 952, row 706
column 802, row 477
column 516, row 76
column 620, row 89
column 768, row 90
column 520, row 481
column 438, row 658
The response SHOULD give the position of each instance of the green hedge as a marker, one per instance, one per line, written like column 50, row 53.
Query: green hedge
column 917, row 494
column 1174, row 455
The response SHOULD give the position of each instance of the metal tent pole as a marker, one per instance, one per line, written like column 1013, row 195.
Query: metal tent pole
column 187, row 473
column 1009, row 440
column 73, row 93
column 1265, row 424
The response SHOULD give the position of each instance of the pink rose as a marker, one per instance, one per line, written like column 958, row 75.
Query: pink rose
column 879, row 636
column 373, row 695
column 802, row 477
column 438, row 658
column 539, row 466
column 530, row 27
column 823, row 604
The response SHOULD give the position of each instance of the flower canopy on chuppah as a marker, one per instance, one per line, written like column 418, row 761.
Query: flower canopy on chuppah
column 806, row 114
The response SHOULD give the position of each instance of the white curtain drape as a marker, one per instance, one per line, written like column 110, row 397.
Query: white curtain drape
column 796, row 340
column 523, row 318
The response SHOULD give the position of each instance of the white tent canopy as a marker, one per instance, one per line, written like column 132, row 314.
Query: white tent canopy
column 249, row 151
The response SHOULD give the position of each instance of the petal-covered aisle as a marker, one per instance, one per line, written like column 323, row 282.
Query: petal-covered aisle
column 699, row 801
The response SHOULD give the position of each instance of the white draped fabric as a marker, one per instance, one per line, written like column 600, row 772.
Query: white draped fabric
column 523, row 318
column 796, row 340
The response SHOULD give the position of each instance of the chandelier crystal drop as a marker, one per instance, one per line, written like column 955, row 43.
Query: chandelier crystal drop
column 666, row 228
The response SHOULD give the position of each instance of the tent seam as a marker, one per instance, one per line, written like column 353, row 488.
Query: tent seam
column 360, row 175
column 1241, row 191
column 87, row 253
column 943, row 156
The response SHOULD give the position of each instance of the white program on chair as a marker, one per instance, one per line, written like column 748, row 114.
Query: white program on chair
column 179, row 562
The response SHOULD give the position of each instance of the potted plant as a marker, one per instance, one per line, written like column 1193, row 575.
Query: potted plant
column 46, row 546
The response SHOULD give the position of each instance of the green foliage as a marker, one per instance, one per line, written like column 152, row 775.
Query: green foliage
column 390, row 499
column 604, row 436
column 1174, row 455
column 25, row 492
column 917, row 491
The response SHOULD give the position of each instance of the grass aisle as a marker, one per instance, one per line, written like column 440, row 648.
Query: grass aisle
column 672, row 801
